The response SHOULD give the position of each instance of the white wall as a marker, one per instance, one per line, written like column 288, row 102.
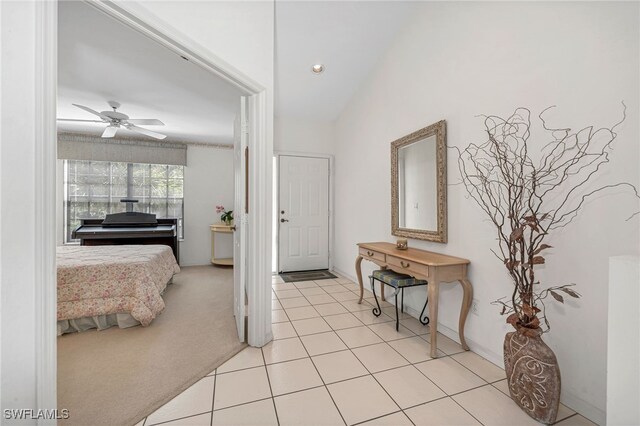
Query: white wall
column 456, row 60
column 293, row 134
column 208, row 181
column 17, row 219
column 239, row 32
column 623, row 366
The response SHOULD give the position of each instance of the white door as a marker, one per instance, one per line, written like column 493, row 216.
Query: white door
column 240, row 129
column 303, row 213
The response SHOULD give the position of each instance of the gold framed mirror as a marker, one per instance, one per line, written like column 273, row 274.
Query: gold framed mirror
column 419, row 184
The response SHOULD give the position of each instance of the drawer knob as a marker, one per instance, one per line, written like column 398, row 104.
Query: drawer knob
column 370, row 253
column 404, row 265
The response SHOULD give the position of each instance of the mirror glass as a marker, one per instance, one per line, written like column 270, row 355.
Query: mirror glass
column 418, row 184
column 417, row 187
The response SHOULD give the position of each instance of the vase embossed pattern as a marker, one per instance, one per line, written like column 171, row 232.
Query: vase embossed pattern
column 533, row 375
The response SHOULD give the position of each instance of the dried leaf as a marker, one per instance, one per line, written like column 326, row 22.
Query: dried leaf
column 529, row 310
column 570, row 292
column 538, row 260
column 512, row 319
column 516, row 234
column 556, row 296
column 542, row 247
column 534, row 323
column 511, row 264
column 531, row 218
column 504, row 309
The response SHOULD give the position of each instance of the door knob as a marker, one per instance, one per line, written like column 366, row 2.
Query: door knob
column 284, row 220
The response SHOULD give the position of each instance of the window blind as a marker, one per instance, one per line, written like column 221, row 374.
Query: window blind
column 93, row 148
column 93, row 189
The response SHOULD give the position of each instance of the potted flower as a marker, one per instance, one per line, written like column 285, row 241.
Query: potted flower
column 226, row 216
column 528, row 191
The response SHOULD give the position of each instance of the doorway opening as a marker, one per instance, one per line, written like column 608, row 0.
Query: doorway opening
column 256, row 143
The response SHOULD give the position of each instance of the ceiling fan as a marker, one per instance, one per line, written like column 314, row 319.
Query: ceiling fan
column 116, row 120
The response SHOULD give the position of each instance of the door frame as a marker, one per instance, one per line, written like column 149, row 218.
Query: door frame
column 330, row 157
column 260, row 145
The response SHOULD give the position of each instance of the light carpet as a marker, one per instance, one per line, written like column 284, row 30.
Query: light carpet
column 119, row 376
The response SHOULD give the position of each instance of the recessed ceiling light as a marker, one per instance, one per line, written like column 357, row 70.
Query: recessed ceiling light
column 317, row 68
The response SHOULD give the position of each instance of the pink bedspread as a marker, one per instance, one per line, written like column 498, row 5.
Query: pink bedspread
column 103, row 280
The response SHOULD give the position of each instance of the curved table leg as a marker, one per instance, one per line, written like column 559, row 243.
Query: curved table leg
column 467, row 299
column 433, row 291
column 359, row 275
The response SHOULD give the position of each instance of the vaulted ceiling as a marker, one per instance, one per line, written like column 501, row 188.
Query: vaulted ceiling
column 102, row 60
column 348, row 37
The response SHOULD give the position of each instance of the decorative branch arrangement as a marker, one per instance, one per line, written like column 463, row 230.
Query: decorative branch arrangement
column 528, row 193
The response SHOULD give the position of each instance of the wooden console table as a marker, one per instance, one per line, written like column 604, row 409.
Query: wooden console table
column 433, row 267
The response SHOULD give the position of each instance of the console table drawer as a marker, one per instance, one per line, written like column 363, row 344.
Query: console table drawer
column 370, row 254
column 408, row 267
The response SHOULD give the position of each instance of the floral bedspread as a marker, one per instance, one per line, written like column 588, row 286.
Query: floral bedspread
column 102, row 280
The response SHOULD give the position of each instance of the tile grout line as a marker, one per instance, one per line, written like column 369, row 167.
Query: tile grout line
column 180, row 418
column 379, row 417
column 266, row 372
column 467, row 411
column 319, row 375
column 372, row 376
column 380, row 384
column 568, row 417
column 239, row 405
column 446, row 395
column 451, row 356
column 410, row 363
column 350, row 349
column 213, row 398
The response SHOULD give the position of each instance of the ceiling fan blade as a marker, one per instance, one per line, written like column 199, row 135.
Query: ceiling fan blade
column 104, row 117
column 109, row 132
column 74, row 119
column 146, row 121
column 145, row 131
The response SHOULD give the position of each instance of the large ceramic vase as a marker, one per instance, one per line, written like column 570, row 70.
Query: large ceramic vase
column 533, row 375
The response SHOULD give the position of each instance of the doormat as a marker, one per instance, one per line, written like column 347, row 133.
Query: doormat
column 290, row 277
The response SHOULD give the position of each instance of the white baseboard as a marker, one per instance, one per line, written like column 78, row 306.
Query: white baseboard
column 196, row 264
column 577, row 404
column 344, row 274
column 584, row 408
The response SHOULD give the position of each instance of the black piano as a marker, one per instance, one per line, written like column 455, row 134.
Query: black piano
column 129, row 228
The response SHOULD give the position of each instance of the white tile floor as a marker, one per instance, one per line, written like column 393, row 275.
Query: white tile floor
column 332, row 362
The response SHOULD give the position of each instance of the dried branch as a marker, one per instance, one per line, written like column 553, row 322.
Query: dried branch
column 526, row 198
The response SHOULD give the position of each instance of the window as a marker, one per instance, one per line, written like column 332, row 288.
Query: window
column 93, row 189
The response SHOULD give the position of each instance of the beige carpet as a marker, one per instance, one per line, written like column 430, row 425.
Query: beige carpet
column 119, row 376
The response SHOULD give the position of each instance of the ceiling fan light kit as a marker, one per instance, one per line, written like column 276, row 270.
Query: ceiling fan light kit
column 116, row 120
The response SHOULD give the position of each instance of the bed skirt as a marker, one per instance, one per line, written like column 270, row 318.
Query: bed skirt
column 101, row 322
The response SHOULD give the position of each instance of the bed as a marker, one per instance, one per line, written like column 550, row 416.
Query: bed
column 103, row 286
